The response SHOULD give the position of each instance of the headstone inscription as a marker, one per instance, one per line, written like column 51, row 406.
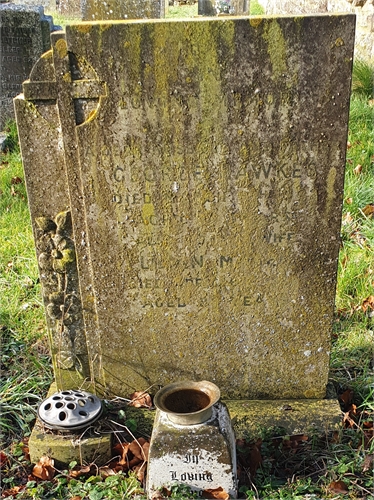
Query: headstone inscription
column 25, row 36
column 204, row 166
column 95, row 10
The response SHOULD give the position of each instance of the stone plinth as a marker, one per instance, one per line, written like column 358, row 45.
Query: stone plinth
column 201, row 456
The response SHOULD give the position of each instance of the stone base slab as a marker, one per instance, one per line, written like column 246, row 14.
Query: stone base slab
column 65, row 449
column 249, row 419
column 301, row 416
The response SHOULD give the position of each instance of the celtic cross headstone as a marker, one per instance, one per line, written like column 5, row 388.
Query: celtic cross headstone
column 185, row 182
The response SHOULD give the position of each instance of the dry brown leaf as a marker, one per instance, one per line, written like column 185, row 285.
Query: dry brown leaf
column 368, row 463
column 106, row 471
column 137, row 449
column 76, row 498
column 347, row 397
column 368, row 303
column 347, row 219
column 80, row 470
column 124, row 454
column 160, row 495
column 140, row 400
column 3, row 459
column 44, row 469
column 357, row 170
column 16, row 180
column 349, row 201
column 338, row 487
column 368, row 210
column 255, row 457
column 216, row 493
column 11, row 492
column 140, row 472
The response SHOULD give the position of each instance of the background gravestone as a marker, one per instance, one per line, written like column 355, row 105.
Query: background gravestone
column 94, row 10
column 202, row 165
column 70, row 8
column 223, row 7
column 25, row 35
column 49, row 5
column 364, row 10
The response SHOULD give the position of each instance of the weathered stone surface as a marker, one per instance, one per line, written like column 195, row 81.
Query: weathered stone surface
column 67, row 448
column 301, row 416
column 204, row 169
column 201, row 456
column 95, row 10
column 24, row 34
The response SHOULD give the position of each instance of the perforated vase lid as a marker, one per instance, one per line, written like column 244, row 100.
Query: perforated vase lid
column 70, row 410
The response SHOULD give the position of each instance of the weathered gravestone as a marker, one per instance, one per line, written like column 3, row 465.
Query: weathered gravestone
column 185, row 183
column 70, row 8
column 49, row 5
column 223, row 7
column 25, row 35
column 94, row 10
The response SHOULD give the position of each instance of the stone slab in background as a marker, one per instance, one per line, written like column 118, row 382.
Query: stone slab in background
column 364, row 10
column 70, row 8
column 95, row 10
column 25, row 35
column 204, row 169
column 223, row 7
column 49, row 5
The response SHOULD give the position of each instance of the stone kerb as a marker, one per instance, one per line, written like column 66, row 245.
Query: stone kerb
column 25, row 36
column 201, row 166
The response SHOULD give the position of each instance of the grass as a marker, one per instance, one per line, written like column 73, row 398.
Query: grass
column 335, row 465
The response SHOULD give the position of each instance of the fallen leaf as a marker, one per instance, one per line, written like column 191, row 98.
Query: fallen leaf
column 347, row 219
column 140, row 400
column 368, row 303
column 11, row 492
column 338, row 487
column 106, row 471
column 76, row 498
column 346, row 398
column 349, row 145
column 216, row 493
column 124, row 451
column 368, row 463
column 140, row 472
column 368, row 210
column 3, row 459
column 139, row 449
column 44, row 469
column 349, row 201
column 160, row 495
column 16, row 180
column 80, row 470
column 357, row 170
